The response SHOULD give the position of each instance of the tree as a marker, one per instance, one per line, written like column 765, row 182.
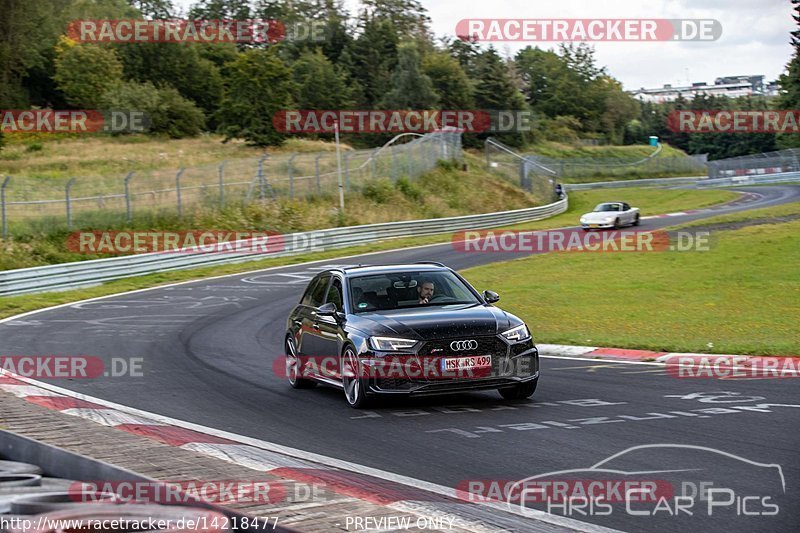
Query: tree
column 28, row 31
column 465, row 50
column 167, row 112
column 259, row 86
column 790, row 83
column 495, row 90
column 408, row 17
column 221, row 10
column 411, row 89
column 85, row 72
column 450, row 82
column 372, row 56
column 177, row 65
column 154, row 9
column 320, row 85
column 619, row 109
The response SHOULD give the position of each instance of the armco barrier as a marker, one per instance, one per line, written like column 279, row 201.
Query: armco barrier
column 97, row 271
column 750, row 180
column 655, row 182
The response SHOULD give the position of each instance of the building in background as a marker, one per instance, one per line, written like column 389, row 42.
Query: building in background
column 731, row 86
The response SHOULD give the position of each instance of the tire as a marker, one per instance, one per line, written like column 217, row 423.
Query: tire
column 519, row 392
column 636, row 220
column 616, row 224
column 355, row 387
column 293, row 368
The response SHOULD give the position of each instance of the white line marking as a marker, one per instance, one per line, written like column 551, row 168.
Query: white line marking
column 319, row 459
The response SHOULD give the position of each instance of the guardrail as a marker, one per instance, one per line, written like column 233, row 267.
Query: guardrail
column 633, row 183
column 750, row 180
column 98, row 271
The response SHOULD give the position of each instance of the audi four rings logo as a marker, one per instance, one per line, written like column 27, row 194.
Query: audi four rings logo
column 459, row 346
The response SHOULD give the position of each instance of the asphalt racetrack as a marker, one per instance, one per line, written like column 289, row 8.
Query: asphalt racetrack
column 208, row 349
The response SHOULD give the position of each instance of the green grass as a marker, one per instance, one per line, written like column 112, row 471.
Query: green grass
column 631, row 152
column 742, row 296
column 443, row 192
column 751, row 214
column 39, row 155
column 654, row 201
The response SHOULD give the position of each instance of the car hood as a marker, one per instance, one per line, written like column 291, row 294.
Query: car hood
column 600, row 216
column 428, row 323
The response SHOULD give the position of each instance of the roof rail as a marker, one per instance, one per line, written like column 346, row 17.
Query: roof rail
column 351, row 266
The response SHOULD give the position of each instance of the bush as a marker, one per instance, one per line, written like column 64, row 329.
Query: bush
column 167, row 111
column 408, row 189
column 85, row 72
column 380, row 191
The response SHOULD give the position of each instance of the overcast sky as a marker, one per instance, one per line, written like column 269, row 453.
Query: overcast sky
column 755, row 35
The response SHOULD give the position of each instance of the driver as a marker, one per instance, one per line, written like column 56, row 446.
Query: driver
column 425, row 291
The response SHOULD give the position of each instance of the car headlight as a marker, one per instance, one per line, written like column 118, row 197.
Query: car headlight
column 583, row 220
column 390, row 344
column 517, row 334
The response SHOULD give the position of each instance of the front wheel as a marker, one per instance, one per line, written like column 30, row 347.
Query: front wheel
column 519, row 392
column 355, row 388
column 636, row 221
column 294, row 367
column 616, row 224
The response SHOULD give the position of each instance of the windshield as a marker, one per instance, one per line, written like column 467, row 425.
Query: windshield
column 607, row 207
column 398, row 290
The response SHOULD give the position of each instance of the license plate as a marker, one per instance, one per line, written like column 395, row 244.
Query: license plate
column 461, row 363
column 594, row 225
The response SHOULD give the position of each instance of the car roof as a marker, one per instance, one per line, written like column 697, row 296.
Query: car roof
column 361, row 270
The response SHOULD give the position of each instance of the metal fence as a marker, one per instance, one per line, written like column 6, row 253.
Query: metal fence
column 592, row 168
column 756, row 164
column 532, row 171
column 93, row 272
column 523, row 171
column 36, row 204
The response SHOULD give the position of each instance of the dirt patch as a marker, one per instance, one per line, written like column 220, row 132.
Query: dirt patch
column 727, row 226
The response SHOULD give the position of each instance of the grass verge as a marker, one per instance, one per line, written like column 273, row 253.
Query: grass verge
column 741, row 297
column 653, row 201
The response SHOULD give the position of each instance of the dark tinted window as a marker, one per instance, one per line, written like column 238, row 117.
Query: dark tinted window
column 335, row 293
column 316, row 292
column 396, row 290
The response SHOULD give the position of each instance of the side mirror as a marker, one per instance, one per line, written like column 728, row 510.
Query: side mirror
column 491, row 297
column 328, row 309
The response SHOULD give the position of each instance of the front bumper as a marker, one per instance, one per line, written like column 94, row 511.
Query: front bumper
column 511, row 365
column 597, row 225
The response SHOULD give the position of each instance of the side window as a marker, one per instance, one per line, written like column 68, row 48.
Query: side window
column 626, row 207
column 335, row 293
column 316, row 292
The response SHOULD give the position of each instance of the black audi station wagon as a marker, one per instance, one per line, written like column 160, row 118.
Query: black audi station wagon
column 413, row 329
